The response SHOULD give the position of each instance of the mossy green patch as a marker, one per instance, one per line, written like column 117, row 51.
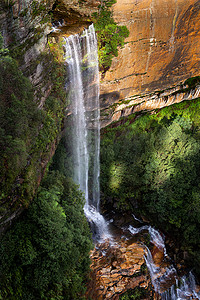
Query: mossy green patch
column 137, row 293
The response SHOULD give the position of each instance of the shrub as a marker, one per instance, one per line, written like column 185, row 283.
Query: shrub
column 110, row 35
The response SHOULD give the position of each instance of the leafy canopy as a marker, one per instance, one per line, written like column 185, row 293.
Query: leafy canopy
column 45, row 255
column 152, row 166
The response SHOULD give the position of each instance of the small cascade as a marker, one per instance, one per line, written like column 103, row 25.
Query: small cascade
column 185, row 288
column 98, row 224
column 161, row 276
column 56, row 26
column 83, row 89
column 164, row 277
column 153, row 270
column 157, row 239
column 155, row 236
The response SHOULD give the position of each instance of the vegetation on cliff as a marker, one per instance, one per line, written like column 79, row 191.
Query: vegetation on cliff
column 110, row 35
column 27, row 133
column 19, row 122
column 150, row 165
column 137, row 293
column 45, row 254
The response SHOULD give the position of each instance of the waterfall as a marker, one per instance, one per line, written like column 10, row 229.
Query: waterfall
column 92, row 109
column 83, row 89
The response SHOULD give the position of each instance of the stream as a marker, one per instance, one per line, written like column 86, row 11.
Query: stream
column 118, row 264
column 164, row 277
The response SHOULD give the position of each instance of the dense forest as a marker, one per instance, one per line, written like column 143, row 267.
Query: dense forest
column 150, row 166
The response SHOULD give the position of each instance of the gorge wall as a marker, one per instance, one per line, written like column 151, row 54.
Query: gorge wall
column 160, row 53
column 157, row 158
column 26, row 28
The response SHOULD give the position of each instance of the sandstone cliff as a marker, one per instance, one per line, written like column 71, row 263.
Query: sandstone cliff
column 161, row 51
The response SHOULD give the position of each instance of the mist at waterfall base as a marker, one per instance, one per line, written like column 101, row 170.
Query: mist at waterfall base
column 165, row 280
column 83, row 95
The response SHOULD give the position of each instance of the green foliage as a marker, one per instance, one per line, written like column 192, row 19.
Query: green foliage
column 110, row 35
column 135, row 294
column 3, row 51
column 153, row 165
column 193, row 81
column 27, row 132
column 19, row 121
column 45, row 255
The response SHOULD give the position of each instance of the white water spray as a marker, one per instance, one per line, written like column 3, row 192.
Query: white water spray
column 83, row 89
column 185, row 288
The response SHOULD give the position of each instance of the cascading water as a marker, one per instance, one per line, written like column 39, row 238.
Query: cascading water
column 155, row 236
column 185, row 288
column 165, row 280
column 83, row 90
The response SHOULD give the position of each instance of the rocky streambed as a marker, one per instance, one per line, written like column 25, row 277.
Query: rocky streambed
column 135, row 261
column 116, row 269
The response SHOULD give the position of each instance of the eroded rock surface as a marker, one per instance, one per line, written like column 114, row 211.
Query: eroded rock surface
column 116, row 269
column 146, row 102
column 26, row 27
column 127, row 265
column 161, row 51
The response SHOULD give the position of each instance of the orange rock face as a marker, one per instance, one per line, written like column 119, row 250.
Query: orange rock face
column 148, row 102
column 116, row 269
column 161, row 51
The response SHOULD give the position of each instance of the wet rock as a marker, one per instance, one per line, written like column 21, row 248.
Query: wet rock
column 117, row 271
column 157, row 255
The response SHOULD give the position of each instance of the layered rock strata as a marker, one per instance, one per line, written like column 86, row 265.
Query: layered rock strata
column 146, row 102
